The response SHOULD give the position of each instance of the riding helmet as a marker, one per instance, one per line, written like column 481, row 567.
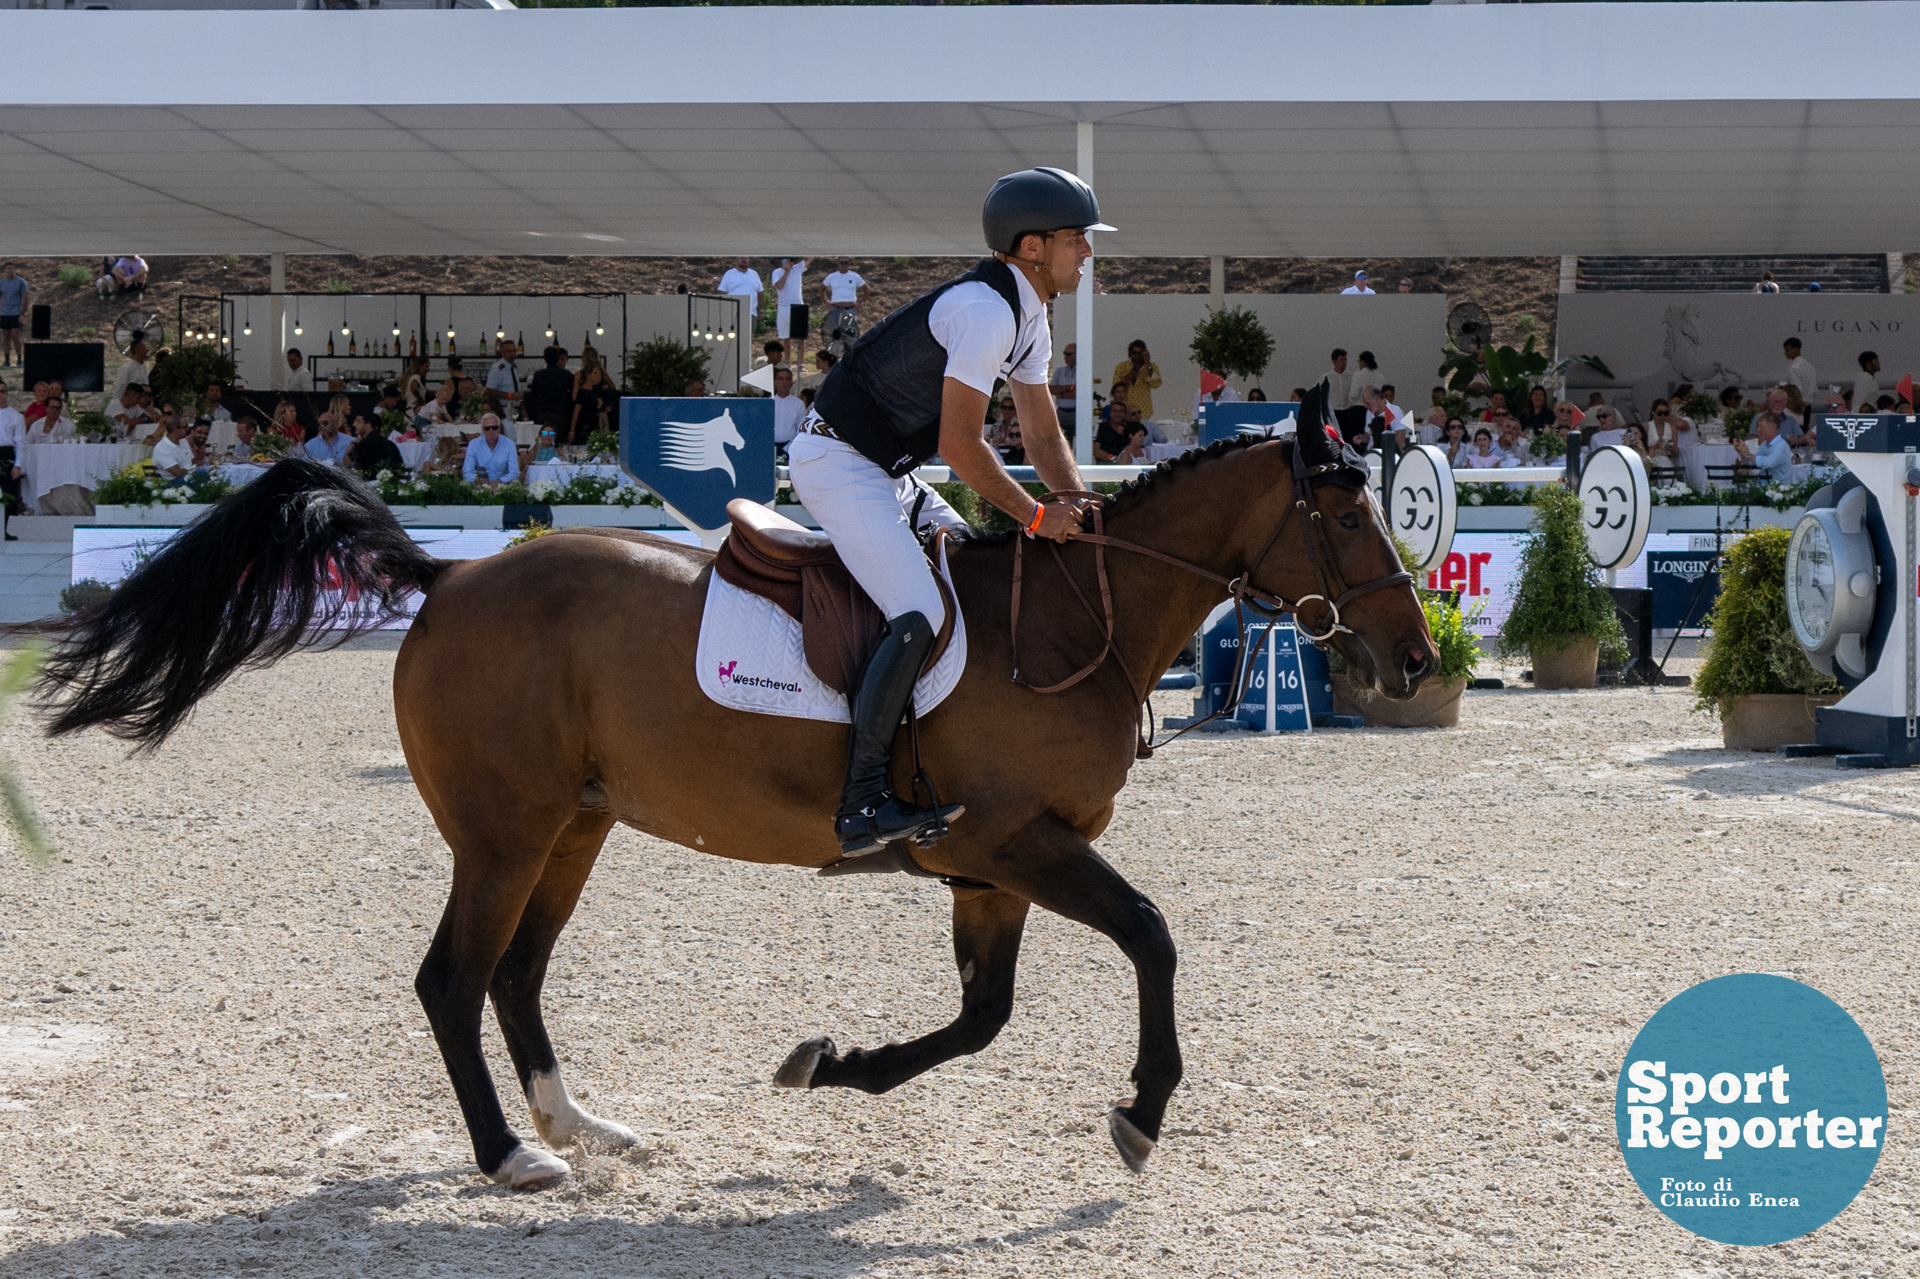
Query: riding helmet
column 1036, row 201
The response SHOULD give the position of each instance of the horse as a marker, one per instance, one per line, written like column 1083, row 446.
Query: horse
column 596, row 718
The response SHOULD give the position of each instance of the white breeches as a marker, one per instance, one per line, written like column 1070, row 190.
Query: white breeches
column 866, row 514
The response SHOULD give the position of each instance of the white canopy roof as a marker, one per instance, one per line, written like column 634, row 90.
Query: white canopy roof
column 1604, row 128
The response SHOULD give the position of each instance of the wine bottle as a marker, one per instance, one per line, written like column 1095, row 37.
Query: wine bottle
column 523, row 342
column 353, row 345
column 413, row 348
column 436, row 344
column 329, row 342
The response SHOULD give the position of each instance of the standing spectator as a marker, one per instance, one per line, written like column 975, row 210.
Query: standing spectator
column 790, row 308
column 413, row 384
column 743, row 282
column 216, row 411
column 371, row 451
column 788, row 411
column 1800, row 370
column 595, row 402
column 172, row 455
column 844, row 291
column 13, row 304
column 13, row 437
column 1061, row 385
column 1141, row 375
column 1866, row 387
column 1767, row 284
column 1359, row 285
column 503, row 378
column 550, row 397
column 330, row 445
column 299, row 376
column 1770, row 454
column 1366, row 377
column 1340, row 398
column 134, row 370
column 491, row 459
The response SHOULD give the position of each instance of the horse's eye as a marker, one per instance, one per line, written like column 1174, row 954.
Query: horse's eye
column 1350, row 521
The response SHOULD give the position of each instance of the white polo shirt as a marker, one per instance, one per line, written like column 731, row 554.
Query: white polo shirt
column 973, row 323
column 13, row 429
column 788, row 283
column 788, row 410
column 844, row 286
column 167, row 454
column 128, row 373
column 744, row 284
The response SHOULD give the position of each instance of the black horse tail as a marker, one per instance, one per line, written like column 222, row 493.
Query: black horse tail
column 302, row 550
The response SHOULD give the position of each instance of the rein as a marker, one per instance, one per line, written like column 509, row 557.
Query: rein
column 1239, row 589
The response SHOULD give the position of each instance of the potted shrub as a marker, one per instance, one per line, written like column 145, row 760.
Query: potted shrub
column 1755, row 675
column 1562, row 616
column 1232, row 341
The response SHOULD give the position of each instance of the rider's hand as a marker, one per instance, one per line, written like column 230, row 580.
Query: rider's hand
column 1058, row 519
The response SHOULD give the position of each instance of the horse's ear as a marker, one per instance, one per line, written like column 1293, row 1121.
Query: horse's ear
column 1310, row 433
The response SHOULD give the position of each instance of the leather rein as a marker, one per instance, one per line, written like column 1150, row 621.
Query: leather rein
column 1240, row 589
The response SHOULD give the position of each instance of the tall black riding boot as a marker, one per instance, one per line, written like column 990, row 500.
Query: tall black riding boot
column 871, row 815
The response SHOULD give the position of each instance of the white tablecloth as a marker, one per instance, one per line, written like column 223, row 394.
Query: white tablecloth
column 563, row 473
column 415, row 452
column 48, row 466
column 1161, row 452
column 239, row 473
column 524, row 433
column 1695, row 461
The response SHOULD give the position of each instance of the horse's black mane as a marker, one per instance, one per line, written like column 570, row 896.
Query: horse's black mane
column 1130, row 493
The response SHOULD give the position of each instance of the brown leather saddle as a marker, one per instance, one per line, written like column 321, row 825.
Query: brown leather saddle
column 797, row 568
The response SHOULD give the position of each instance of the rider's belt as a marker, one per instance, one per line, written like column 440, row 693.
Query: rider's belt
column 814, row 426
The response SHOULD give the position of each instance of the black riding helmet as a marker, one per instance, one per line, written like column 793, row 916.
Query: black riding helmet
column 1034, row 202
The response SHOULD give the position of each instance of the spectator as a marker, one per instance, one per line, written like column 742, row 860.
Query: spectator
column 127, row 413
column 1866, row 387
column 1406, row 285
column 1213, row 390
column 550, row 397
column 743, row 282
column 1729, row 399
column 1512, row 443
column 1496, row 405
column 492, row 402
column 503, row 377
column 37, row 406
column 299, row 377
column 413, row 384
column 696, row 390
column 1538, row 415
column 1595, row 400
column 1767, row 451
column 197, row 441
column 441, row 409
column 1121, row 440
column 790, row 308
column 1061, row 383
column 1366, row 377
column 371, row 451
column 1003, row 433
column 13, row 437
column 1340, row 393
column 216, row 411
column 772, row 351
column 330, row 445
column 1799, row 370
column 1790, row 426
column 844, row 291
column 806, row 398
column 1256, row 396
column 1433, row 426
column 1767, row 284
column 244, row 432
column 1667, row 432
column 490, row 458
column 1142, row 376
column 172, row 456
column 823, row 362
column 1437, row 398
column 596, row 401
column 134, row 370
column 13, row 304
column 1384, row 419
column 1454, row 442
column 53, row 426
column 788, row 411
column 1606, row 427
column 126, row 275
column 389, row 401
column 1359, row 285
column 1636, row 439
column 286, row 423
column 1481, row 455
column 1299, row 394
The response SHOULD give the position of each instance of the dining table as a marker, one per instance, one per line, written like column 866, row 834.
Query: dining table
column 564, row 473
column 46, row 467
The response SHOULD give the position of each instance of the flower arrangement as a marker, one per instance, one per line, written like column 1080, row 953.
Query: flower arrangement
column 141, row 485
column 1493, row 494
column 599, row 442
column 447, row 488
column 1768, row 493
column 92, row 424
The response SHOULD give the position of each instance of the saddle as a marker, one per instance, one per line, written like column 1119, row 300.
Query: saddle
column 798, row 569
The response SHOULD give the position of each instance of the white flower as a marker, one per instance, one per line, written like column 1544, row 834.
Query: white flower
column 541, row 490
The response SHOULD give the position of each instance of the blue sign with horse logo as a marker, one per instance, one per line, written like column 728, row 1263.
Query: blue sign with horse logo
column 699, row 454
column 1223, row 421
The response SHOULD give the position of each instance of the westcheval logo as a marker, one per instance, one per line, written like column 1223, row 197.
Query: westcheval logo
column 727, row 676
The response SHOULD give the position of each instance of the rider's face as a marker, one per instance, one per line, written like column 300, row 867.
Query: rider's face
column 1060, row 257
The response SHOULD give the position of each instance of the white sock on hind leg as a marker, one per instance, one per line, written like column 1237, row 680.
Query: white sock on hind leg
column 560, row 1120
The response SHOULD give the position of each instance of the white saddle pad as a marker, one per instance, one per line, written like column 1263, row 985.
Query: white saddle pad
column 750, row 659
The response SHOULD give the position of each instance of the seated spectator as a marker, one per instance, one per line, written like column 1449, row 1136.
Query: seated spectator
column 330, row 445
column 244, row 431
column 1299, row 394
column 52, row 426
column 1729, row 399
column 1481, row 456
column 128, row 413
column 441, row 409
column 127, row 274
column 1767, row 450
column 1512, row 443
column 172, row 456
column 1496, row 405
column 372, row 452
column 1667, row 432
column 1789, row 424
column 1454, row 442
column 1595, row 400
column 1604, row 425
column 1433, row 426
column 286, row 423
column 1636, row 439
column 1121, row 444
column 389, row 401
column 216, row 411
column 1256, row 396
column 37, row 407
column 1220, row 394
column 1538, row 415
column 823, row 362
column 807, row 394
column 197, row 441
column 491, row 459
column 696, row 390
column 492, row 401
column 788, row 410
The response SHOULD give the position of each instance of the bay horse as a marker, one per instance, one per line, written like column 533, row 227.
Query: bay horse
column 595, row 718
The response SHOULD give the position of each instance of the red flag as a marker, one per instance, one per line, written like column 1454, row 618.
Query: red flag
column 1906, row 389
column 1210, row 382
column 1578, row 417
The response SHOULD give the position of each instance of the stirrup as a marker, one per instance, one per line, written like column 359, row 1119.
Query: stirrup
column 890, row 819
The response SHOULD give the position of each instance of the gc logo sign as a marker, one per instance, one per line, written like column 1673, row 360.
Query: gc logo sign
column 1421, row 509
column 1613, row 486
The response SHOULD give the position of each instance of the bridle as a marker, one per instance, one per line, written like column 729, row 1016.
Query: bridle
column 1334, row 594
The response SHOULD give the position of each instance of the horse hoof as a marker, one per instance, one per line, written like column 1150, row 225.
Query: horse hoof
column 797, row 1070
column 530, row 1169
column 1134, row 1146
column 597, row 1134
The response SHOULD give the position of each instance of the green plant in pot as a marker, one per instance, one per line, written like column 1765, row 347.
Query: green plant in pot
column 1755, row 675
column 1232, row 342
column 1562, row 615
column 1436, row 704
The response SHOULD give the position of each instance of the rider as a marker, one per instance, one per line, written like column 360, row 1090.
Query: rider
column 916, row 384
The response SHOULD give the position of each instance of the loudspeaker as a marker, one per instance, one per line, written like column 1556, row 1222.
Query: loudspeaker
column 42, row 322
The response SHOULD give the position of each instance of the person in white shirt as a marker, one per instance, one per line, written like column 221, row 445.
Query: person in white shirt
column 127, row 412
column 1366, row 377
column 844, row 291
column 1800, row 370
column 788, row 408
column 504, row 375
column 13, row 437
column 299, row 377
column 1222, row 394
column 1359, row 285
column 743, row 282
column 1604, row 427
column 790, row 308
column 134, row 370
column 331, row 444
column 1866, row 387
column 172, row 455
column 1512, row 444
column 491, row 458
column 1062, row 387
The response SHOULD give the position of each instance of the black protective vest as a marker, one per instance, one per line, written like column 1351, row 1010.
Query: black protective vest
column 884, row 396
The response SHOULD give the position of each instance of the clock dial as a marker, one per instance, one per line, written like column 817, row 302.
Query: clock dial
column 1811, row 578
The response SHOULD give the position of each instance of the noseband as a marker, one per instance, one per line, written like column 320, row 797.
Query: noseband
column 1334, row 594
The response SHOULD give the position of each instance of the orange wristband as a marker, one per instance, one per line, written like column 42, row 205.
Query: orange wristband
column 1033, row 525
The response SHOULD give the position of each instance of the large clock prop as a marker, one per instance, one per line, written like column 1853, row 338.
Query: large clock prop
column 1852, row 574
